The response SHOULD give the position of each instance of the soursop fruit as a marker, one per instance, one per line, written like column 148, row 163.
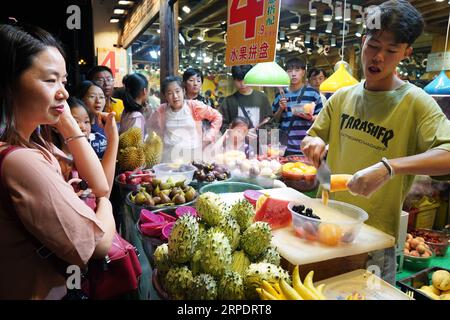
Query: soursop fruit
column 232, row 231
column 271, row 255
column 256, row 239
column 153, row 149
column 195, row 264
column 131, row 138
column 257, row 272
column 244, row 213
column 130, row 158
column 204, row 287
column 240, row 262
column 161, row 258
column 210, row 208
column 183, row 239
column 231, row 287
column 216, row 253
column 178, row 281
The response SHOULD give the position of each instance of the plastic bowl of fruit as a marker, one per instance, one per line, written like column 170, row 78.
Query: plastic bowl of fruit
column 176, row 171
column 343, row 227
column 299, row 175
column 436, row 240
column 416, row 262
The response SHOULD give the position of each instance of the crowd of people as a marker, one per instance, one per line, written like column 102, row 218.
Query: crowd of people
column 48, row 136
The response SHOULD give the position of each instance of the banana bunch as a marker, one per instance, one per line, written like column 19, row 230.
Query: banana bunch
column 298, row 291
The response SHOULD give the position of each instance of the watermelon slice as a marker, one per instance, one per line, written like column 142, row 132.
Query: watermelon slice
column 252, row 196
column 148, row 216
column 152, row 229
column 166, row 230
column 186, row 210
column 274, row 211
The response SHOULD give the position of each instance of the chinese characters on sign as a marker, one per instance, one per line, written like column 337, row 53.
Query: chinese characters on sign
column 252, row 31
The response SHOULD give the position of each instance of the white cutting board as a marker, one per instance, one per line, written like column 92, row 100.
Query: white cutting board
column 298, row 251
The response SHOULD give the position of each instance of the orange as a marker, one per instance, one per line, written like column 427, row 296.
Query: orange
column 329, row 234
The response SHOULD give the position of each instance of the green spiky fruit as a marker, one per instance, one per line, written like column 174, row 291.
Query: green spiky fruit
column 232, row 231
column 178, row 281
column 231, row 287
column 204, row 287
column 131, row 138
column 210, row 208
column 256, row 239
column 153, row 149
column 196, row 264
column 183, row 239
column 216, row 254
column 161, row 258
column 257, row 272
column 244, row 213
column 240, row 262
column 131, row 158
column 271, row 255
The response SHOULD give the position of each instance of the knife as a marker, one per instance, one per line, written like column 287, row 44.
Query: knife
column 324, row 175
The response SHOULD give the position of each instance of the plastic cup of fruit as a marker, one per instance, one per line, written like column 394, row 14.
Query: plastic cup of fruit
column 329, row 232
column 177, row 172
column 300, row 175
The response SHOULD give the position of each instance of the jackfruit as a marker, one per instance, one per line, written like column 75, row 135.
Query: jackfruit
column 153, row 149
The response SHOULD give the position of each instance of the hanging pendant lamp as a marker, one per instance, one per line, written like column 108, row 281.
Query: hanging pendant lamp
column 268, row 74
column 341, row 77
column 440, row 86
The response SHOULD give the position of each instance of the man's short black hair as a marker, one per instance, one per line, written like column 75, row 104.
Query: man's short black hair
column 295, row 63
column 239, row 72
column 400, row 18
column 91, row 74
column 315, row 72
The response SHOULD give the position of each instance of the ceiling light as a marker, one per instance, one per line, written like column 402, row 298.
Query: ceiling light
column 119, row 11
column 268, row 74
column 312, row 9
column 180, row 18
column 360, row 31
column 312, row 24
column 308, row 37
column 159, row 31
column 193, row 54
column 329, row 27
column 282, row 35
column 186, row 9
column 125, row 3
column 333, row 41
column 153, row 54
column 338, row 11
column 295, row 25
column 348, row 13
column 359, row 19
column 327, row 15
column 114, row 20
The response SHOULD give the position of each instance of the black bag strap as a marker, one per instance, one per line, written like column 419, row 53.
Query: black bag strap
column 244, row 112
column 298, row 100
column 42, row 251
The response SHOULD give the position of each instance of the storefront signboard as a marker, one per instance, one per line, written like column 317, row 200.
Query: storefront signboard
column 116, row 60
column 435, row 61
column 139, row 20
column 252, row 31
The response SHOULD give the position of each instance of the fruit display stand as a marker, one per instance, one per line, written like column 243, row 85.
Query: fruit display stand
column 326, row 261
column 436, row 261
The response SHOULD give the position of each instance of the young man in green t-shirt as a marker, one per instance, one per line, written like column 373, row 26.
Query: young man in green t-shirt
column 382, row 130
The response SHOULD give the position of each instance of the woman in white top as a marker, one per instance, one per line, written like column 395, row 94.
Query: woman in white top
column 179, row 123
column 136, row 93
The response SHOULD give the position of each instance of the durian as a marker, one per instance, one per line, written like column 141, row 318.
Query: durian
column 153, row 149
column 131, row 138
column 131, row 158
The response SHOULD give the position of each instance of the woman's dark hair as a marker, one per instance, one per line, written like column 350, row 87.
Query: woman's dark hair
column 239, row 120
column 168, row 81
column 398, row 17
column 83, row 88
column 91, row 73
column 19, row 46
column 134, row 84
column 192, row 72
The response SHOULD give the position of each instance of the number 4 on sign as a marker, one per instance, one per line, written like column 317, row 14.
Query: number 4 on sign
column 248, row 13
column 110, row 61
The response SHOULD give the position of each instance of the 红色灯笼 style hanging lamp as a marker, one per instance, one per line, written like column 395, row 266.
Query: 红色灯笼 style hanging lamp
column 341, row 77
column 440, row 86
